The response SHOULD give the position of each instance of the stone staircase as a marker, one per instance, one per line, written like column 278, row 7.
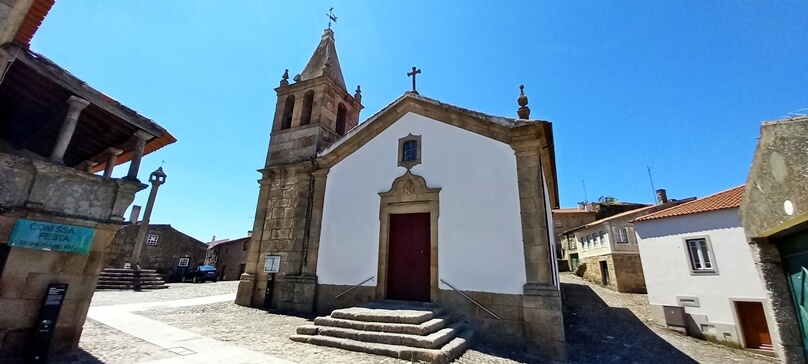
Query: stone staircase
column 125, row 278
column 418, row 331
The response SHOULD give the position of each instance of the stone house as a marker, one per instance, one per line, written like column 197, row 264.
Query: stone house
column 608, row 249
column 774, row 213
column 229, row 257
column 395, row 209
column 566, row 246
column 165, row 250
column 50, row 145
column 700, row 275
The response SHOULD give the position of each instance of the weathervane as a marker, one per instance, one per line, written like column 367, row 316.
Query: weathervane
column 331, row 17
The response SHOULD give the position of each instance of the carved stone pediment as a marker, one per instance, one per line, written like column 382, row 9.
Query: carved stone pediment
column 409, row 187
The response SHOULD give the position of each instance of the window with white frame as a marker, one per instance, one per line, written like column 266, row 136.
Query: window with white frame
column 583, row 244
column 152, row 239
column 621, row 235
column 589, row 241
column 701, row 255
column 602, row 239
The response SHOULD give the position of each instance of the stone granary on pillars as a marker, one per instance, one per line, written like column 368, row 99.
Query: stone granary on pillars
column 424, row 201
column 774, row 213
column 57, row 219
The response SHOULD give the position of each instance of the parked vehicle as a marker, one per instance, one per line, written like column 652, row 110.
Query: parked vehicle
column 202, row 274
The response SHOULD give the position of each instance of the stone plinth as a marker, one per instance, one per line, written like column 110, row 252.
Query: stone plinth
column 296, row 293
column 41, row 191
column 544, row 321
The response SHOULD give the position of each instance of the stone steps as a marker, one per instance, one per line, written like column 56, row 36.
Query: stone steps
column 125, row 278
column 419, row 331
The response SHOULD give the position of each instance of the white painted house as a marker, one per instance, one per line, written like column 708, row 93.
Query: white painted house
column 699, row 272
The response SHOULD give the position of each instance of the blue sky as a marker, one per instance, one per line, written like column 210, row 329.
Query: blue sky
column 682, row 86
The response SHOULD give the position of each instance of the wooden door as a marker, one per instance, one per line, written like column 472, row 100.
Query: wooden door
column 574, row 261
column 408, row 259
column 794, row 251
column 604, row 272
column 753, row 325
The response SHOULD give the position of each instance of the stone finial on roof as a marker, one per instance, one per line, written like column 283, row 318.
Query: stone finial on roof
column 358, row 94
column 523, row 111
column 285, row 78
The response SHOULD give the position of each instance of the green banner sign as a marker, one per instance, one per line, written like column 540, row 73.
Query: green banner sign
column 42, row 235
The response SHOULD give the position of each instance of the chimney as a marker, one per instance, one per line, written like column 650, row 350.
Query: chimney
column 249, row 233
column 661, row 196
column 581, row 206
column 213, row 239
column 134, row 214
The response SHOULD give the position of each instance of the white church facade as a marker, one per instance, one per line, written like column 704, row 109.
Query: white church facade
column 424, row 202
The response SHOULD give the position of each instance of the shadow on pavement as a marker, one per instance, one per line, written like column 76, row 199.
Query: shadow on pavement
column 77, row 357
column 597, row 333
column 519, row 356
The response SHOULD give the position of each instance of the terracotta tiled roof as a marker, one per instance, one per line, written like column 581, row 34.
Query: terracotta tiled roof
column 728, row 199
column 33, row 19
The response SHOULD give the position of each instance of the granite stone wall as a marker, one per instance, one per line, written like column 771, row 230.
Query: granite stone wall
column 629, row 274
column 38, row 190
column 164, row 257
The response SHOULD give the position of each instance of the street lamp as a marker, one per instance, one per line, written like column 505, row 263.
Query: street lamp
column 156, row 178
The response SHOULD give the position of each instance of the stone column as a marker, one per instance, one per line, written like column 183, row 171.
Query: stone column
column 535, row 236
column 137, row 154
column 113, row 157
column 541, row 300
column 77, row 104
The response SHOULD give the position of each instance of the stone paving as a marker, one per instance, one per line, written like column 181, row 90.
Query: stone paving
column 602, row 326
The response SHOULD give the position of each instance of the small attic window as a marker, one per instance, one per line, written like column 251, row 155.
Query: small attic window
column 409, row 151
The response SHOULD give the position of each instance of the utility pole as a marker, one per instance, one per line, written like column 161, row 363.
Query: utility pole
column 653, row 190
column 156, row 178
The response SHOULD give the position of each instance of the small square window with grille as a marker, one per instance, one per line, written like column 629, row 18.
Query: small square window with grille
column 409, row 151
column 152, row 239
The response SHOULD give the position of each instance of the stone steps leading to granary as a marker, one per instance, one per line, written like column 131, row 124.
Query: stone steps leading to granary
column 125, row 278
column 421, row 331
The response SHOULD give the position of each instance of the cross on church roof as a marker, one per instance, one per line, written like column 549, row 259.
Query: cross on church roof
column 414, row 72
column 331, row 17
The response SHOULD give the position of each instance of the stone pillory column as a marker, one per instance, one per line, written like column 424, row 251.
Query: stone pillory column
column 113, row 157
column 137, row 154
column 156, row 178
column 77, row 104
column 541, row 299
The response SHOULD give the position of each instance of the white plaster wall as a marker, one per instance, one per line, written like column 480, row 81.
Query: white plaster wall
column 603, row 249
column 479, row 230
column 666, row 264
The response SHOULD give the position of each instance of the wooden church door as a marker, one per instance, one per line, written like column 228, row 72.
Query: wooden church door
column 408, row 260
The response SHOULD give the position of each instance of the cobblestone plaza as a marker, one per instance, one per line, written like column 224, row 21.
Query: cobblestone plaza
column 191, row 323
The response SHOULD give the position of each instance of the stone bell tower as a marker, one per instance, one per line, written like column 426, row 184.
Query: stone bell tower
column 312, row 111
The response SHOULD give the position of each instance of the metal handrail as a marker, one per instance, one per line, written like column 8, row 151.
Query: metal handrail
column 470, row 299
column 352, row 288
